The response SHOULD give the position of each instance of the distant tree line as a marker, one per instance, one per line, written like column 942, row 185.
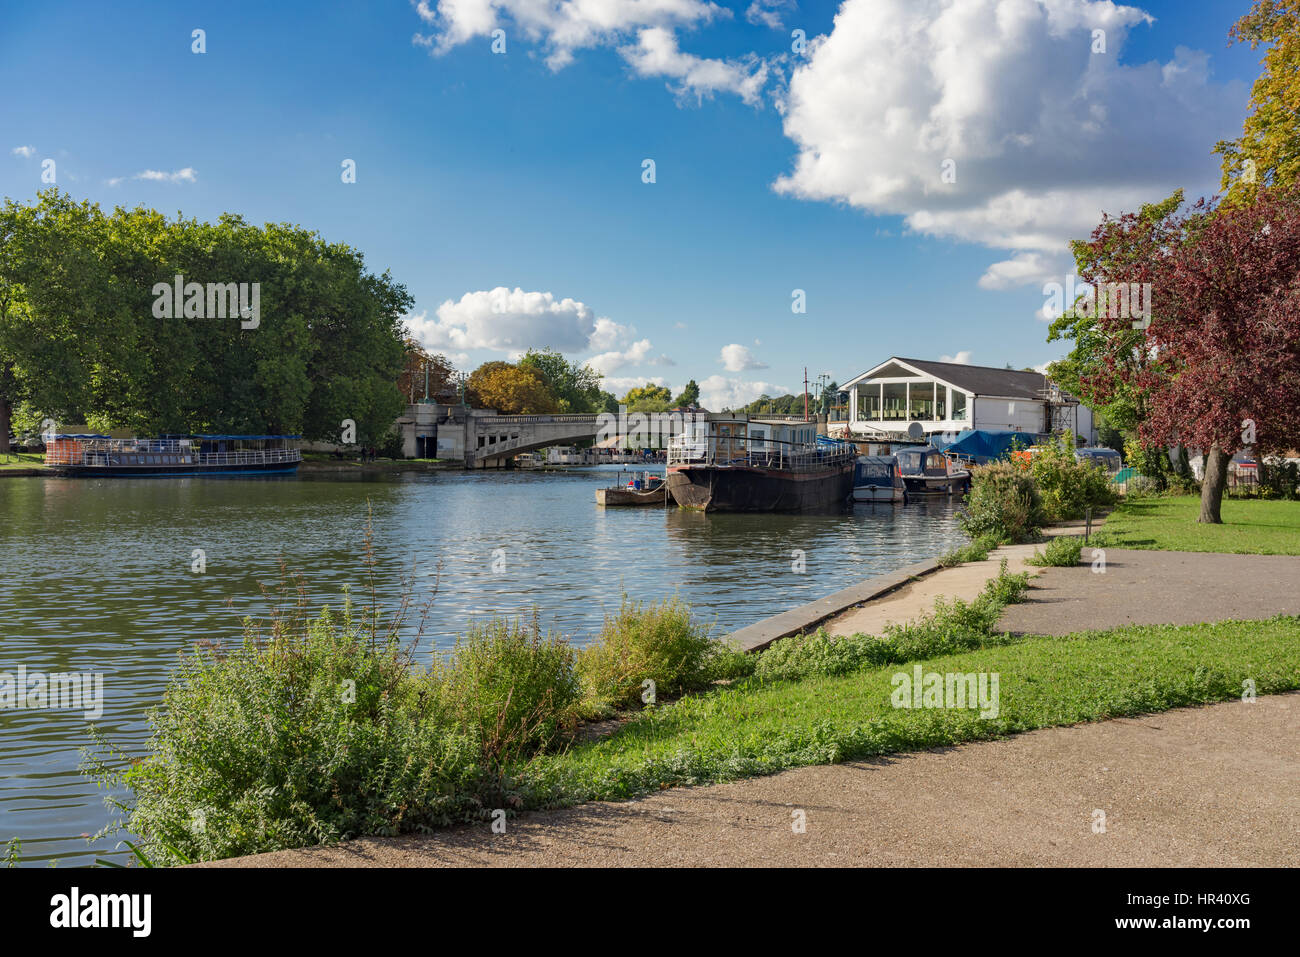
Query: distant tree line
column 86, row 336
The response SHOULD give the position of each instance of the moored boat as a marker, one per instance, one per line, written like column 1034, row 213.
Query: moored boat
column 648, row 490
column 878, row 478
column 927, row 471
column 170, row 456
column 735, row 463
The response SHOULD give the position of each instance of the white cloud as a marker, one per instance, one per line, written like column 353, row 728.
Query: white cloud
column 512, row 321
column 961, row 358
column 767, row 13
column 1044, row 134
column 26, row 152
column 656, row 53
column 633, row 355
column 186, row 175
column 1022, row 269
column 643, row 30
column 738, row 358
column 720, row 392
column 619, row 385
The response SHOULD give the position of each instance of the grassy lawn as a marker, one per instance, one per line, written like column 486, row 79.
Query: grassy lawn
column 1250, row 526
column 754, row 728
column 22, row 460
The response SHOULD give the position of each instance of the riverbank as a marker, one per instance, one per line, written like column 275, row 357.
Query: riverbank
column 743, row 741
column 1193, row 787
column 314, row 466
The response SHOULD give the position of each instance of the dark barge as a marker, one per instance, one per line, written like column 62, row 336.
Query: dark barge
column 740, row 464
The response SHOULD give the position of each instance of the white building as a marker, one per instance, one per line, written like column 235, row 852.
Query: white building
column 946, row 398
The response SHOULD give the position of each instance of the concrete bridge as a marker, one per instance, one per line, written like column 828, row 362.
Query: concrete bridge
column 492, row 440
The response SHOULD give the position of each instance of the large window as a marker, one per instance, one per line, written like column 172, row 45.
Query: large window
column 895, row 402
column 958, row 406
column 869, row 403
column 922, row 407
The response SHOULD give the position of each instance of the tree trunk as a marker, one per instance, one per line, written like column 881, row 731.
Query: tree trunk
column 4, row 425
column 1216, row 477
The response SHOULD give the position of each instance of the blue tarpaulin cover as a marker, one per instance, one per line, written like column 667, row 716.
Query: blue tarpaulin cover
column 985, row 445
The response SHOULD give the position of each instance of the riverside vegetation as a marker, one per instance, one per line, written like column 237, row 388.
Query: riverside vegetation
column 322, row 727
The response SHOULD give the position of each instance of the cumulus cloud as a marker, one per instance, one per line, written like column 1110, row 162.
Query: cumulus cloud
column 643, row 30
column 767, row 13
column 721, row 392
column 619, row 385
column 633, row 355
column 961, row 358
column 26, row 152
column 738, row 358
column 187, row 175
column 656, row 53
column 512, row 321
column 1043, row 134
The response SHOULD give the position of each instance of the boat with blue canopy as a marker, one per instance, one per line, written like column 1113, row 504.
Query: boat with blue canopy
column 88, row 454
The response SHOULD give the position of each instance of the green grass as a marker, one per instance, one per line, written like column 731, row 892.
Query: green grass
column 755, row 728
column 22, row 460
column 1250, row 526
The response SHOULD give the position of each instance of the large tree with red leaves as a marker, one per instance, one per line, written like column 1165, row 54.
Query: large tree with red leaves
column 1217, row 364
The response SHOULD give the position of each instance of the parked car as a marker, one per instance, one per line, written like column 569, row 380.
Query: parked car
column 1108, row 459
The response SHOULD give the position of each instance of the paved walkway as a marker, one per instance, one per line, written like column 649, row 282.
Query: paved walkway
column 1213, row 786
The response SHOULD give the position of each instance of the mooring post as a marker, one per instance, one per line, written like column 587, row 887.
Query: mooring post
column 1087, row 530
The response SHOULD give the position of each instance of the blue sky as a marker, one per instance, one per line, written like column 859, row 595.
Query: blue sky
column 506, row 192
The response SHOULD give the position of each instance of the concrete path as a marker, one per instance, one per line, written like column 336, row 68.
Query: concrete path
column 1205, row 787
column 1153, row 588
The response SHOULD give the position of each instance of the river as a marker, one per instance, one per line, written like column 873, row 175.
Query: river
column 98, row 576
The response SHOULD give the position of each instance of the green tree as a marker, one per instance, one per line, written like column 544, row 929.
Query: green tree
column 576, row 387
column 690, row 395
column 648, row 398
column 1268, row 151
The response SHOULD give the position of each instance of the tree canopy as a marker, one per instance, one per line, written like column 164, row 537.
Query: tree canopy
column 82, row 338
column 510, row 389
column 1267, row 154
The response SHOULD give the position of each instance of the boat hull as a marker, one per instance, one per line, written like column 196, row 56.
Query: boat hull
column 745, row 489
column 879, row 493
column 632, row 497
column 936, row 484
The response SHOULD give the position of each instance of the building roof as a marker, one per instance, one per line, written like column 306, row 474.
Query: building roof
column 978, row 380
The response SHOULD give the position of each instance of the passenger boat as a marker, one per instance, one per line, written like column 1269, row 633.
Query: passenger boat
column 649, row 489
column 878, row 478
column 172, row 455
column 927, row 471
column 738, row 463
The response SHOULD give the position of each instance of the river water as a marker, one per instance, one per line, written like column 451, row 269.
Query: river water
column 98, row 576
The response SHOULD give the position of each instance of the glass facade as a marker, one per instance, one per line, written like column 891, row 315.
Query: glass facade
column 920, row 400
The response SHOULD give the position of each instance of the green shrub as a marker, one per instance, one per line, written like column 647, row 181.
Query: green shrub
column 1066, row 485
column 1062, row 551
column 1003, row 503
column 319, row 734
column 511, row 688
column 655, row 642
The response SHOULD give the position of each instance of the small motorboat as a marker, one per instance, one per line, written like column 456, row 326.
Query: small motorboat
column 878, row 478
column 927, row 471
column 647, row 489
